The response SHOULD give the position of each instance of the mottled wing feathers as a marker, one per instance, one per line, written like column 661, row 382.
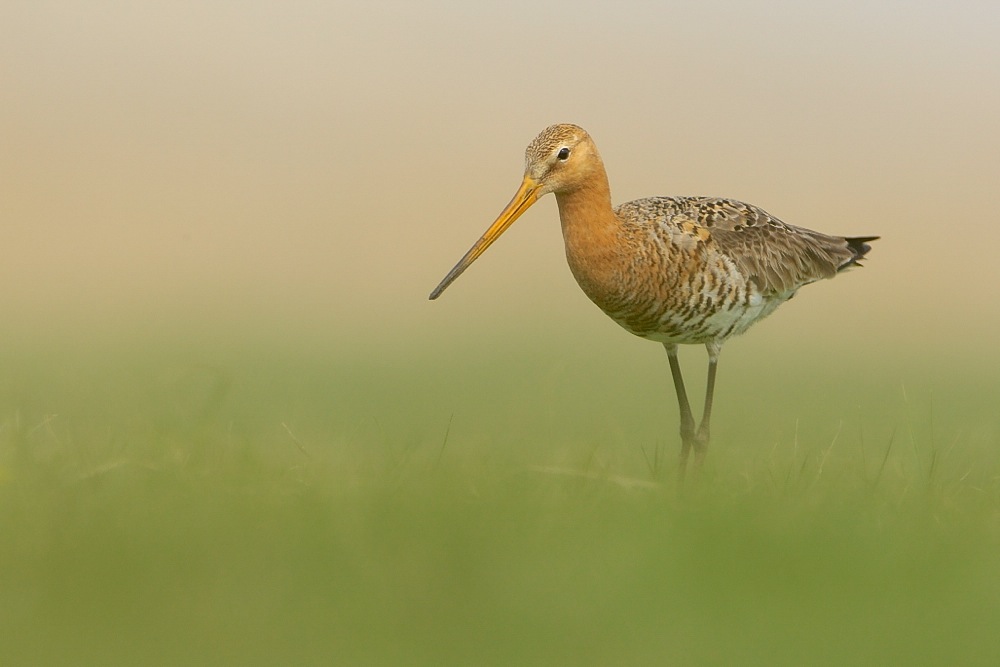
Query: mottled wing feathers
column 778, row 257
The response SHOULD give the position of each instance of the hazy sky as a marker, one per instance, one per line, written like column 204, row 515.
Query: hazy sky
column 326, row 164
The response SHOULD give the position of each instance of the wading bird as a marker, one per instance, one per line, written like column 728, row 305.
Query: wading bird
column 676, row 270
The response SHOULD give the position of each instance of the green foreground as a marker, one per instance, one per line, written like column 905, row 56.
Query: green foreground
column 158, row 509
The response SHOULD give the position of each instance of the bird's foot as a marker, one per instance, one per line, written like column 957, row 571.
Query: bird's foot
column 696, row 441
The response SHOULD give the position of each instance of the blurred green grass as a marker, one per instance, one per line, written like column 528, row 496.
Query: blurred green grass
column 204, row 503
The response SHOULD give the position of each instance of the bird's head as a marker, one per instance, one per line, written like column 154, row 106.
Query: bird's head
column 560, row 159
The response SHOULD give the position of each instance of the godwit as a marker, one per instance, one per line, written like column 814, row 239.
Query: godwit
column 676, row 270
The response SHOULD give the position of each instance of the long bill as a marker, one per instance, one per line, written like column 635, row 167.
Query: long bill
column 526, row 195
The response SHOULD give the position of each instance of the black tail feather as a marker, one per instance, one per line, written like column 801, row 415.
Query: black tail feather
column 859, row 246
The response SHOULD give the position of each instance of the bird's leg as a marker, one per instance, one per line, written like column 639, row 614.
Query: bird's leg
column 703, row 435
column 687, row 421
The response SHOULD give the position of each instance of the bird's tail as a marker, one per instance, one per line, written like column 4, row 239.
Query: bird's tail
column 858, row 245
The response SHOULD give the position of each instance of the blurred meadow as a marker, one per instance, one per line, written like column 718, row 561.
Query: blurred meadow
column 233, row 430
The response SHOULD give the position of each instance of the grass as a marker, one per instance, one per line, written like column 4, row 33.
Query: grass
column 198, row 506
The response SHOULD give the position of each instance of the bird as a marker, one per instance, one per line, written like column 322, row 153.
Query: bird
column 675, row 270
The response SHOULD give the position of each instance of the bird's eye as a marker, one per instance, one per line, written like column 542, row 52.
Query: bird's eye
column 563, row 153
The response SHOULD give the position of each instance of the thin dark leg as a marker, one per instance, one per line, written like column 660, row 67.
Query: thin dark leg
column 698, row 441
column 703, row 436
column 687, row 420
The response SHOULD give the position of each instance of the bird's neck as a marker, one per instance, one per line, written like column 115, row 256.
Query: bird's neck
column 592, row 233
column 588, row 221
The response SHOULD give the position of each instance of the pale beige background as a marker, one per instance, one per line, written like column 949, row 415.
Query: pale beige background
column 318, row 167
